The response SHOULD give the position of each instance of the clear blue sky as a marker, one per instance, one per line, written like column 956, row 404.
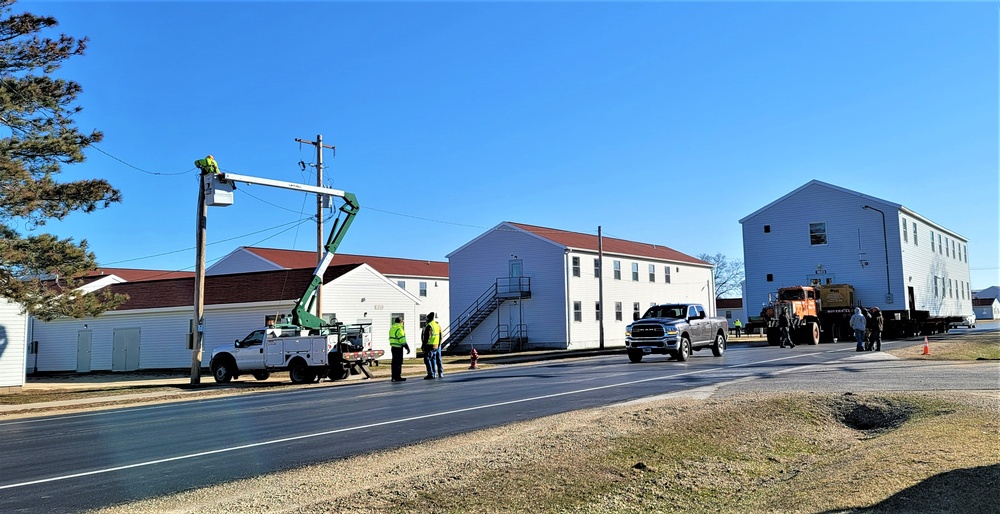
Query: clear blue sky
column 449, row 118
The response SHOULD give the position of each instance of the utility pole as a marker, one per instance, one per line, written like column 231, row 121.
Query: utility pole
column 197, row 338
column 320, row 240
column 600, row 284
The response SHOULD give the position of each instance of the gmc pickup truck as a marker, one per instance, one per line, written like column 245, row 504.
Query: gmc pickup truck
column 675, row 330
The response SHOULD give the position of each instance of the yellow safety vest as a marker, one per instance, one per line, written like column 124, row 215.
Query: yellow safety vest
column 737, row 323
column 434, row 338
column 397, row 337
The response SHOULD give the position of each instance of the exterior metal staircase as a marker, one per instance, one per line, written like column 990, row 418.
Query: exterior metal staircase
column 503, row 289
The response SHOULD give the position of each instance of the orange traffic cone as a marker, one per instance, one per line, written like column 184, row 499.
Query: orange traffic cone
column 927, row 347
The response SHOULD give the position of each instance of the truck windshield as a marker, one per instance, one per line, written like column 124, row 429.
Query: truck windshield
column 793, row 294
column 666, row 311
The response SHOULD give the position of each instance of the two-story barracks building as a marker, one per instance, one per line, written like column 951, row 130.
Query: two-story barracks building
column 524, row 286
column 824, row 234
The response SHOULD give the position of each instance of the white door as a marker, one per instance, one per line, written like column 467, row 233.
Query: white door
column 125, row 349
column 84, row 338
column 514, row 317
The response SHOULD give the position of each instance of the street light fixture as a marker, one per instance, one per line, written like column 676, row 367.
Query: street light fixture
column 885, row 243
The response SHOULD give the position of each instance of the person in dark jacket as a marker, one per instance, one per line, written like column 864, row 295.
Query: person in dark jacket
column 877, row 324
column 783, row 324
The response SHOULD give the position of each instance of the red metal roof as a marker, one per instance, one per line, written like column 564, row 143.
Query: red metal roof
column 982, row 302
column 264, row 286
column 291, row 259
column 609, row 244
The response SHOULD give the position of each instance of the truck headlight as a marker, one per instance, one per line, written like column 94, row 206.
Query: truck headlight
column 628, row 331
column 671, row 331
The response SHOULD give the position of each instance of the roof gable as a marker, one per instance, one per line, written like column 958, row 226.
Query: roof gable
column 293, row 259
column 580, row 241
column 826, row 185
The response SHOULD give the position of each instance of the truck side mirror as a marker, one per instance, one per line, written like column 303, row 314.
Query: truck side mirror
column 635, row 316
column 237, row 343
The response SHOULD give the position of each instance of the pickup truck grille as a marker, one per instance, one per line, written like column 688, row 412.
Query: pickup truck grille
column 642, row 331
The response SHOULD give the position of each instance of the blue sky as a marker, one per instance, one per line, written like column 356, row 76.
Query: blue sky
column 450, row 118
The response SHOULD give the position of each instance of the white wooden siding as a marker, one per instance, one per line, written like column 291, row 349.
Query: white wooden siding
column 13, row 344
column 549, row 312
column 853, row 235
column 475, row 267
column 163, row 339
column 687, row 284
column 437, row 294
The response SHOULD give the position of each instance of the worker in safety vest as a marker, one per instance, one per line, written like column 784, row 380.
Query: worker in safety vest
column 431, row 339
column 737, row 325
column 397, row 343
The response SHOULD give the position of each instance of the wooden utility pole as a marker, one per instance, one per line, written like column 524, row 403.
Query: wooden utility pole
column 197, row 338
column 600, row 284
column 320, row 240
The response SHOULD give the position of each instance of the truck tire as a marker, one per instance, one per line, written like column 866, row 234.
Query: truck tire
column 810, row 333
column 773, row 336
column 261, row 375
column 684, row 349
column 339, row 370
column 720, row 345
column 299, row 373
column 222, row 370
column 635, row 356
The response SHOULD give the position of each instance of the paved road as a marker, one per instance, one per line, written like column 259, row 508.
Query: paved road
column 80, row 461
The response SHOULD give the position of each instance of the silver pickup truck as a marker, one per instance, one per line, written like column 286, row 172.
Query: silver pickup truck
column 675, row 330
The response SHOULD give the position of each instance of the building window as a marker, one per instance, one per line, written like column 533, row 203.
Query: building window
column 401, row 284
column 947, row 251
column 666, row 274
column 935, row 287
column 597, row 268
column 940, row 249
column 423, row 289
column 618, row 311
column 635, row 272
column 423, row 321
column 770, row 277
column 652, row 273
column 953, row 254
column 635, row 311
column 965, row 253
column 915, row 234
column 817, row 233
column 577, row 311
column 618, row 270
column 767, row 229
column 729, row 314
column 597, row 310
column 932, row 241
column 576, row 266
column 906, row 238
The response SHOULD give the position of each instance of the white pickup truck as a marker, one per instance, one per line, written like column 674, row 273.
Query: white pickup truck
column 306, row 358
column 675, row 330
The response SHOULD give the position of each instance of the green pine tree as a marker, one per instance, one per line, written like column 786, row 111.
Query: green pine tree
column 38, row 270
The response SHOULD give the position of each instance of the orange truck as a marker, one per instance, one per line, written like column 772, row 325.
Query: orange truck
column 822, row 314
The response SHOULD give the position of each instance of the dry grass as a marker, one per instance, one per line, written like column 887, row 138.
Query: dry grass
column 792, row 453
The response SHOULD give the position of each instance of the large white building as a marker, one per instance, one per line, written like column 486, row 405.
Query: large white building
column 820, row 233
column 150, row 330
column 525, row 286
column 427, row 280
